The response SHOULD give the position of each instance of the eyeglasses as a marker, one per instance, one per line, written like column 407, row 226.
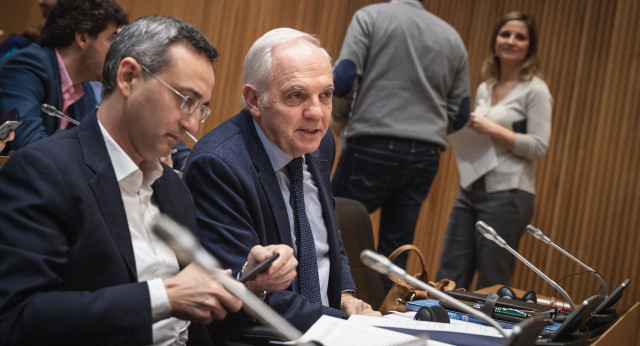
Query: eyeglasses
column 189, row 104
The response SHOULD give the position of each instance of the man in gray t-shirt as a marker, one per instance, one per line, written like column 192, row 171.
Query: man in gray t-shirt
column 403, row 76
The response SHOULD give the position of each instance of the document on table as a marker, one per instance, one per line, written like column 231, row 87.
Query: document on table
column 475, row 154
column 456, row 332
column 332, row 331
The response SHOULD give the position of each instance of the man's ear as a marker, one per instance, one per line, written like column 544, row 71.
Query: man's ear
column 82, row 39
column 251, row 100
column 129, row 75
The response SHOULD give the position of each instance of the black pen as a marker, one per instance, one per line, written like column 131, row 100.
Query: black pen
column 261, row 267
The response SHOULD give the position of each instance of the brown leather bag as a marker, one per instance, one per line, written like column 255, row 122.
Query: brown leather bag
column 402, row 291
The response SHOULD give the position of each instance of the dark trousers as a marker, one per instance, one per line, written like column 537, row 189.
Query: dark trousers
column 392, row 174
column 465, row 250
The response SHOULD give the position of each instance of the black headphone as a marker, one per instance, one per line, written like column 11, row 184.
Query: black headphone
column 508, row 293
column 435, row 313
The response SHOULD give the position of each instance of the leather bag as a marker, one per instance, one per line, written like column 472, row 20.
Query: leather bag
column 402, row 291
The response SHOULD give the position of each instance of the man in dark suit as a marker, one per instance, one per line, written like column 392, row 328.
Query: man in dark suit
column 74, row 42
column 79, row 264
column 242, row 188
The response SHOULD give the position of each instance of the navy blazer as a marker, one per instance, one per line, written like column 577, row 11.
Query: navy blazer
column 67, row 268
column 239, row 205
column 31, row 77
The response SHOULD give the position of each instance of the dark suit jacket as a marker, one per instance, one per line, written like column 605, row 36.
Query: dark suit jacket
column 67, row 267
column 239, row 205
column 31, row 77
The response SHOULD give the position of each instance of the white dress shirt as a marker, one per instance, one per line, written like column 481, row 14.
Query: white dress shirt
column 155, row 261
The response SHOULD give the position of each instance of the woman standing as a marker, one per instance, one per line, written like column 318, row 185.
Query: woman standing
column 513, row 108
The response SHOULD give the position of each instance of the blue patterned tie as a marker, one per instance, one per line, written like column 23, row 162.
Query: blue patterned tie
column 307, row 263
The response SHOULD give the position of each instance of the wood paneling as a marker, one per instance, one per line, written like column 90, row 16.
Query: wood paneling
column 588, row 192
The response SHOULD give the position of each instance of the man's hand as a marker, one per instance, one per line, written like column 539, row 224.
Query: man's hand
column 352, row 305
column 10, row 137
column 195, row 296
column 279, row 275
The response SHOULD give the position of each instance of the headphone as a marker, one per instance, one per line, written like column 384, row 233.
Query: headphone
column 435, row 313
column 508, row 293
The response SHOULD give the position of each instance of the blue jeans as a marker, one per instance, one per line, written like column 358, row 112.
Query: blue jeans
column 389, row 173
column 465, row 250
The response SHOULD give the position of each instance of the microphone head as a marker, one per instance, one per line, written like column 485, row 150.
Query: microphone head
column 490, row 233
column 49, row 109
column 536, row 232
column 375, row 261
column 486, row 230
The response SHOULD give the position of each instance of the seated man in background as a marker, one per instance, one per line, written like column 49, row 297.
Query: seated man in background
column 262, row 178
column 79, row 264
column 74, row 41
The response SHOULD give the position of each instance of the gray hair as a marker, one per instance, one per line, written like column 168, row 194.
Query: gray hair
column 147, row 40
column 257, row 63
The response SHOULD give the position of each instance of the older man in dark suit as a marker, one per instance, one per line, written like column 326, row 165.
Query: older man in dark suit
column 244, row 179
column 79, row 264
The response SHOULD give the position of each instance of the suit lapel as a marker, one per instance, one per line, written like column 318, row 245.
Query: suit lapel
column 51, row 124
column 106, row 189
column 165, row 200
column 319, row 168
column 267, row 178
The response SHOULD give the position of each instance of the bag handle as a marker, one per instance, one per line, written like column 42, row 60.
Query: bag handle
column 410, row 247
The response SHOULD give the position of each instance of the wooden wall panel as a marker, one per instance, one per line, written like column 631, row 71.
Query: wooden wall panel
column 588, row 192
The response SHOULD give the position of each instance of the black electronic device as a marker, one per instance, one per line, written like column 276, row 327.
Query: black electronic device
column 612, row 298
column 261, row 267
column 567, row 333
column 8, row 122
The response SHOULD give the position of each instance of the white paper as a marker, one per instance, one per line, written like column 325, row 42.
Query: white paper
column 475, row 154
column 332, row 331
column 455, row 326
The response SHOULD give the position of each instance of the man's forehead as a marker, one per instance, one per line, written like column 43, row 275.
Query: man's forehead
column 299, row 56
column 295, row 47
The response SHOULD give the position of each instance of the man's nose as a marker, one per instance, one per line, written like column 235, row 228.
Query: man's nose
column 190, row 123
column 313, row 108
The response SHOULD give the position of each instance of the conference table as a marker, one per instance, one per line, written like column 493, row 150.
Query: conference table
column 624, row 331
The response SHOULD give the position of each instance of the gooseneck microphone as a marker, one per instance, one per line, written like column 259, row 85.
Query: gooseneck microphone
column 536, row 232
column 384, row 266
column 51, row 110
column 188, row 249
column 491, row 234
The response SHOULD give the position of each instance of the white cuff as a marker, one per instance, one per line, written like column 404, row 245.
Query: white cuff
column 160, row 308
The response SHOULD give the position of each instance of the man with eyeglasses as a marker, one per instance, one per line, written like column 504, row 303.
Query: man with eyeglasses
column 79, row 264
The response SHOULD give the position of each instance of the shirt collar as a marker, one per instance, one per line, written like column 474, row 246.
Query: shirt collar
column 124, row 166
column 277, row 157
column 414, row 3
column 70, row 92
